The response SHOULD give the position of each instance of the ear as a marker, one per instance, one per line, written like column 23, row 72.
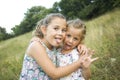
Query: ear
column 43, row 29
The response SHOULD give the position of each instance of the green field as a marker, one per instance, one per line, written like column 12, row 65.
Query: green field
column 103, row 36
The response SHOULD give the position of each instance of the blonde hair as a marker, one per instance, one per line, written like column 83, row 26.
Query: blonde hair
column 46, row 21
column 79, row 24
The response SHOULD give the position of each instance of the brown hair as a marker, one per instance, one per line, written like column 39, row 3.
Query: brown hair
column 46, row 22
column 38, row 31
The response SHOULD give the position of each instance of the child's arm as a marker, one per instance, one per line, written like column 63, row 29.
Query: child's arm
column 38, row 52
column 86, row 73
column 86, row 64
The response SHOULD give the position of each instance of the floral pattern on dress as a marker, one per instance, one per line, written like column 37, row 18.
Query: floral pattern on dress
column 32, row 71
column 66, row 59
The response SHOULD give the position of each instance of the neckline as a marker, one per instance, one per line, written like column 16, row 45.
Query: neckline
column 47, row 46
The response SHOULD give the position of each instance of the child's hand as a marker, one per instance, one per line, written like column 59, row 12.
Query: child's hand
column 87, row 60
column 82, row 49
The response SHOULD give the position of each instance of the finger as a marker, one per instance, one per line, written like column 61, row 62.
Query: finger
column 90, row 56
column 87, row 51
column 91, row 52
column 82, row 47
column 82, row 50
column 82, row 53
column 94, row 59
column 83, row 57
column 79, row 47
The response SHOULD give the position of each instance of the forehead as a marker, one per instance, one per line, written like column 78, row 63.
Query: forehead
column 59, row 22
column 74, row 31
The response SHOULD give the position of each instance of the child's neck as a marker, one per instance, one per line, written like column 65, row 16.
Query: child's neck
column 47, row 44
column 64, row 51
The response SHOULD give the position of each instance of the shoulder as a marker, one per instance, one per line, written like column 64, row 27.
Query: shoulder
column 34, row 47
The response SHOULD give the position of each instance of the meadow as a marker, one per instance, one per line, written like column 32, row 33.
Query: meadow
column 103, row 36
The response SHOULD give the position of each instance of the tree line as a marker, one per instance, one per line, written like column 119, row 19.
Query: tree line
column 84, row 9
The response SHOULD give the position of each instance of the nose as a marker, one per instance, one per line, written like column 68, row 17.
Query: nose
column 60, row 32
column 70, row 40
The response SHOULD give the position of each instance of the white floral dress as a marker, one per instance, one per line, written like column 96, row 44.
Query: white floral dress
column 32, row 71
column 66, row 59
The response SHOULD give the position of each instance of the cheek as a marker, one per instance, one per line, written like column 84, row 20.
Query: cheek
column 51, row 32
column 64, row 35
column 66, row 40
column 77, row 43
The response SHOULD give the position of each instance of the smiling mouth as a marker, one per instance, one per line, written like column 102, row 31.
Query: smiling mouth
column 66, row 45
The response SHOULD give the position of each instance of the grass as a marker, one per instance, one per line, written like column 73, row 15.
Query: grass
column 102, row 35
column 11, row 56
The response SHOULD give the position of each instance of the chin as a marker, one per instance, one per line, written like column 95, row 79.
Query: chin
column 66, row 48
column 56, row 45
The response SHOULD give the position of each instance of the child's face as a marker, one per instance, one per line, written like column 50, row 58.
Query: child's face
column 72, row 38
column 55, row 32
